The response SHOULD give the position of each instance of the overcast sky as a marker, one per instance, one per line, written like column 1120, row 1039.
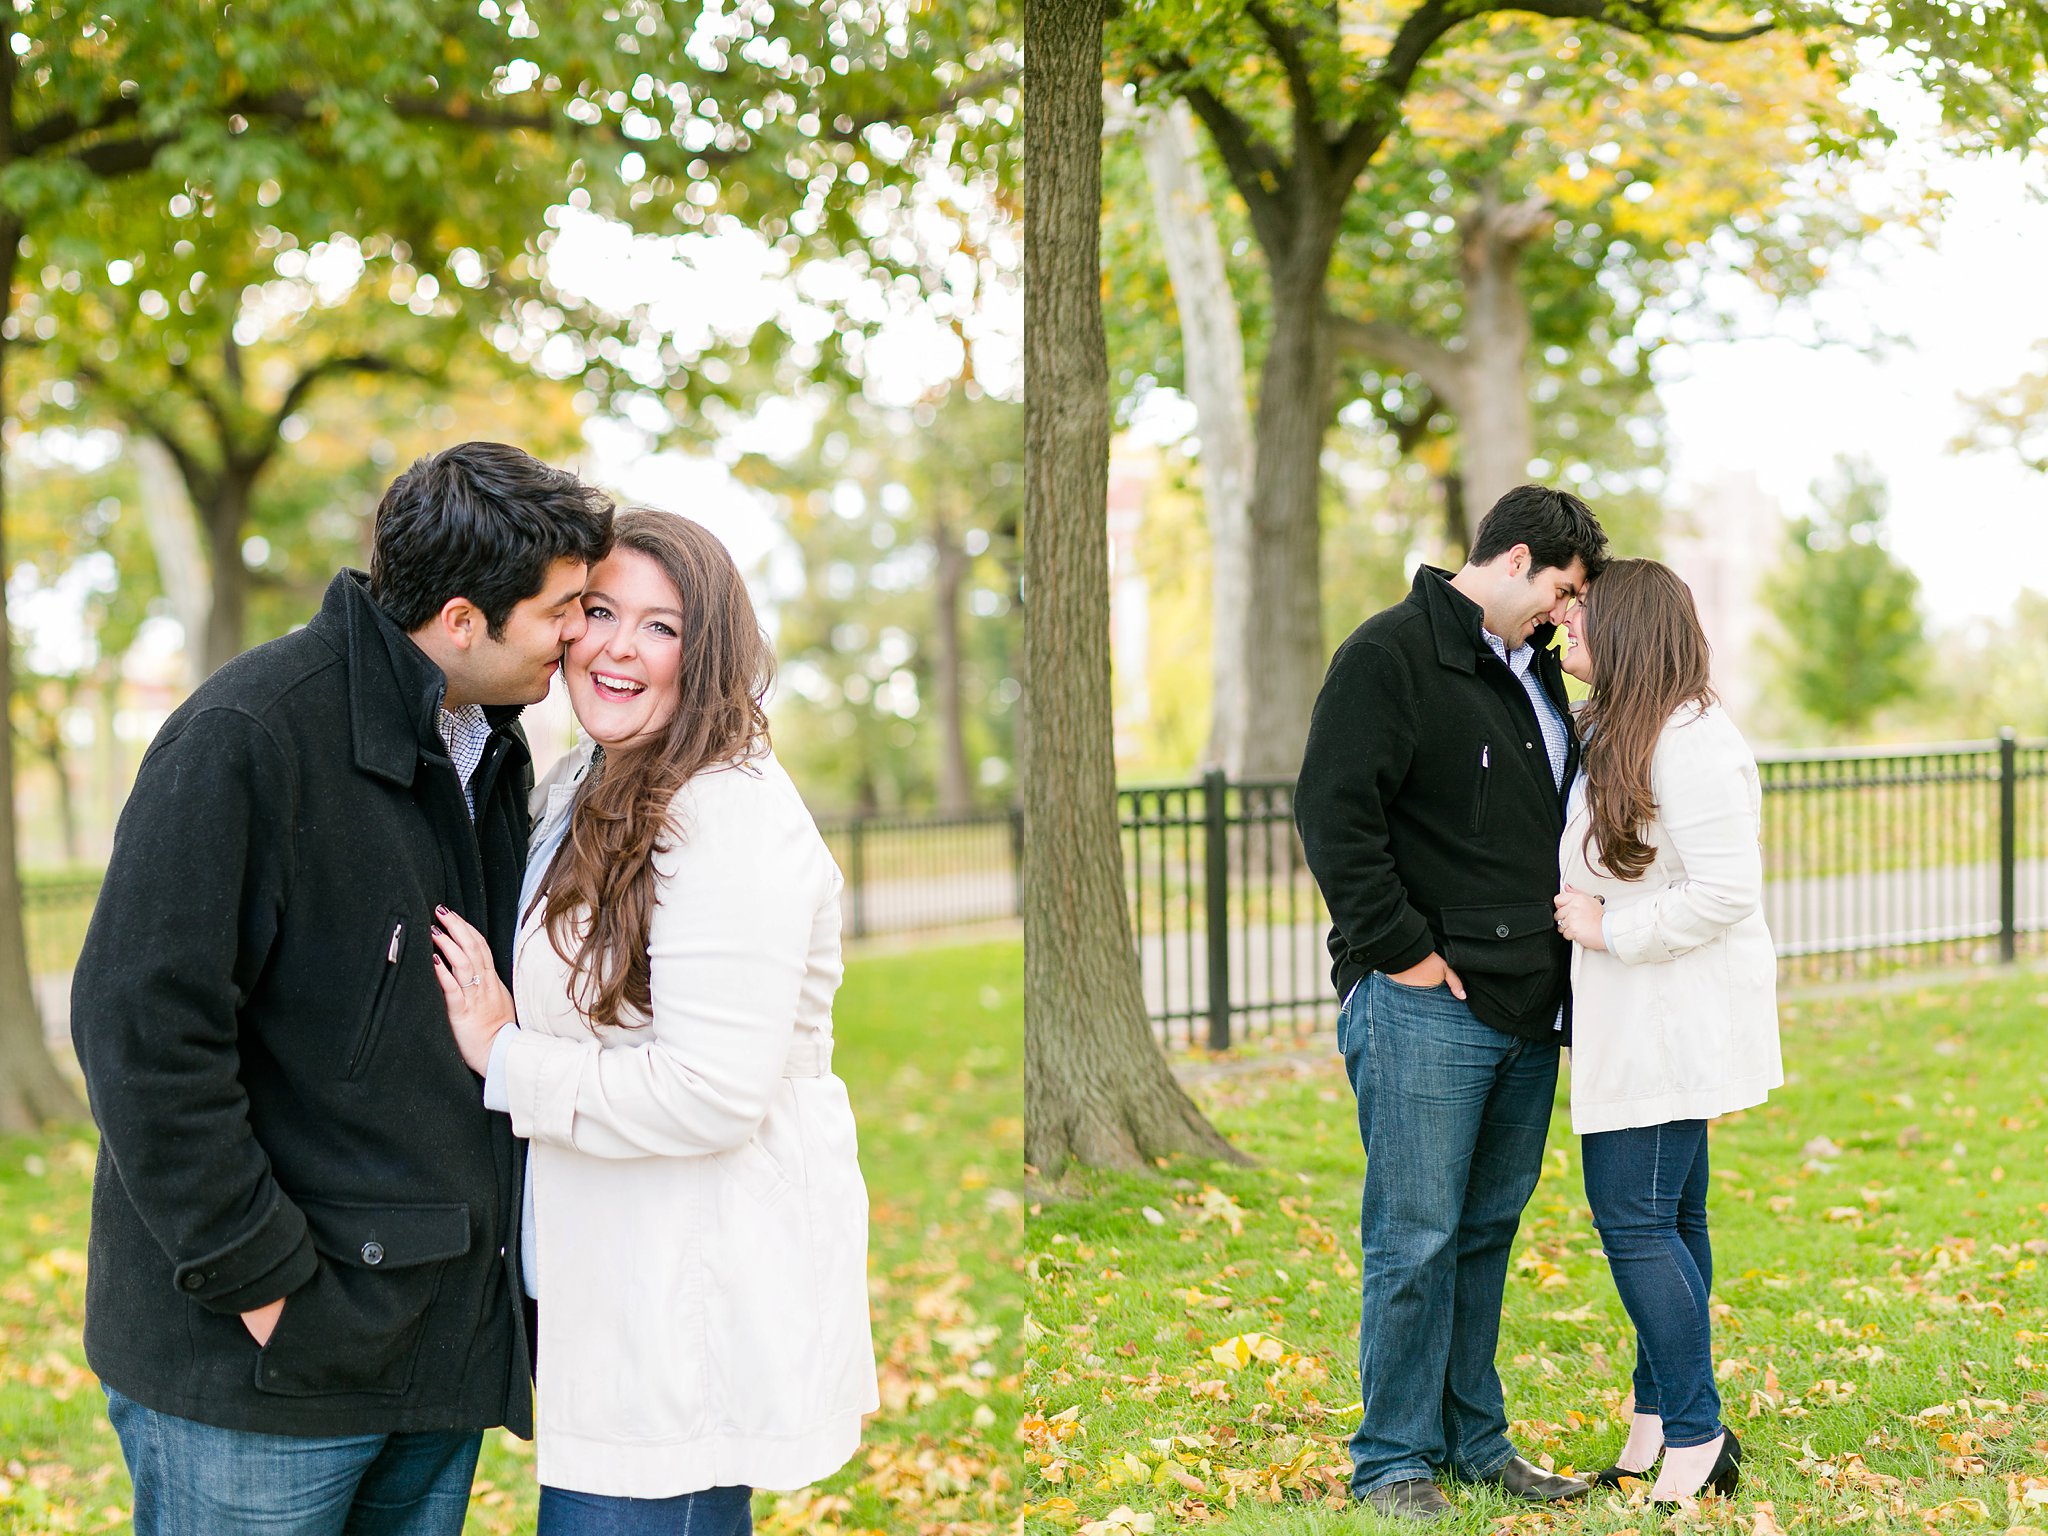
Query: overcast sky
column 1972, row 306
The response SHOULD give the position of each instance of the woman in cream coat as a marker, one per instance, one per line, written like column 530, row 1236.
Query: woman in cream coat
column 697, row 1241
column 1674, row 1011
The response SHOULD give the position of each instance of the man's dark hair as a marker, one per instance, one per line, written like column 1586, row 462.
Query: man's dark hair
column 1556, row 526
column 482, row 521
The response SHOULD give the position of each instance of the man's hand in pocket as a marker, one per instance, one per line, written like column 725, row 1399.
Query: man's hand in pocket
column 1428, row 974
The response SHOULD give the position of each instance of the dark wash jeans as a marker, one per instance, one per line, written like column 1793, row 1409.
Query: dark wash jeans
column 1648, row 1190
column 194, row 1479
column 1453, row 1116
column 713, row 1512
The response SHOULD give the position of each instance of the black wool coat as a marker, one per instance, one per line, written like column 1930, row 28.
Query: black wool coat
column 1428, row 813
column 282, row 1108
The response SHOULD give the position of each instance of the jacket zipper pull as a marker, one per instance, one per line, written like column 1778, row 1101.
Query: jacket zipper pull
column 397, row 944
column 1486, row 755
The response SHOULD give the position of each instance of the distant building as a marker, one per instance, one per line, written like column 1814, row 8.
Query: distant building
column 1722, row 541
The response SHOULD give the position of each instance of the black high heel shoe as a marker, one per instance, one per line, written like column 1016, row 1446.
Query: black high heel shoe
column 1726, row 1471
column 1610, row 1477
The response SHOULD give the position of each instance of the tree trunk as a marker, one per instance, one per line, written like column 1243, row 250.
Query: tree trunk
column 956, row 786
column 1457, row 519
column 1285, row 649
column 1212, row 370
column 67, row 802
column 173, row 525
column 32, row 1092
column 1097, row 1089
column 1497, row 427
column 225, row 519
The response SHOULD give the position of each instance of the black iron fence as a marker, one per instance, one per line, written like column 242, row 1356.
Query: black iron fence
column 909, row 873
column 54, row 912
column 904, row 874
column 1874, row 859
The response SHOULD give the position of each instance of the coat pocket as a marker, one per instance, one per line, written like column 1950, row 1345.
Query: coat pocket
column 1509, row 957
column 391, row 958
column 356, row 1326
column 1481, row 788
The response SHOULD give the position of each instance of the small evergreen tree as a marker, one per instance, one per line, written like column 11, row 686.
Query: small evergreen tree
column 1852, row 637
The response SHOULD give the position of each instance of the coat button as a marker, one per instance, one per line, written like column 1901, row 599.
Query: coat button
column 1501, row 932
column 193, row 1281
column 373, row 1253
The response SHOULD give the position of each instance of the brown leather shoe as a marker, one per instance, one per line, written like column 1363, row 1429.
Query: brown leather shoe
column 1416, row 1499
column 1524, row 1480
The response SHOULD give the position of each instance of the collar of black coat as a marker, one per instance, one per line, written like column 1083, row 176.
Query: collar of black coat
column 394, row 688
column 1459, row 624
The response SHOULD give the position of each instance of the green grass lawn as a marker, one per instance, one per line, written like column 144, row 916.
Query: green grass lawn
column 931, row 1047
column 1880, row 1310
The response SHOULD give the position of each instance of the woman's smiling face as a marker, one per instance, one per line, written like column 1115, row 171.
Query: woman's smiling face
column 623, row 672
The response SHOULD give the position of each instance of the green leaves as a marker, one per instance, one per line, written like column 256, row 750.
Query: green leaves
column 1850, row 612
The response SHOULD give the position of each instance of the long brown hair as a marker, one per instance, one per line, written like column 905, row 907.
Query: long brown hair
column 1650, row 657
column 600, row 888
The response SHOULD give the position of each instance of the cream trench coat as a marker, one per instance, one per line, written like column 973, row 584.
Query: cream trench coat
column 701, row 1222
column 1677, row 1019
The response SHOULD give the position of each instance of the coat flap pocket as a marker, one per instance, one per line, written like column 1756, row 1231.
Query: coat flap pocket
column 1517, row 920
column 387, row 1236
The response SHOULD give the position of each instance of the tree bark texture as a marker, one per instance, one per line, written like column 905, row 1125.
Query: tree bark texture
column 1497, row 427
column 1212, row 351
column 173, row 526
column 32, row 1091
column 1284, row 631
column 224, row 517
column 1097, row 1089
column 949, row 574
column 1483, row 378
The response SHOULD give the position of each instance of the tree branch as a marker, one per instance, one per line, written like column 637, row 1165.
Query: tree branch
column 1384, row 341
column 304, row 384
column 1250, row 161
column 1301, row 85
column 62, row 127
column 1648, row 13
column 1428, row 23
column 201, row 482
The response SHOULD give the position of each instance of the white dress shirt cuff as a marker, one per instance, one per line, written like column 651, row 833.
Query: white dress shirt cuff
column 497, row 1091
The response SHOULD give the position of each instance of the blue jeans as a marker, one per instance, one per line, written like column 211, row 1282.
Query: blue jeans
column 194, row 1479
column 1648, row 1190
column 1453, row 1116
column 713, row 1512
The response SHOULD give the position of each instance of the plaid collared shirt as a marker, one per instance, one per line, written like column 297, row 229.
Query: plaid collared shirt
column 466, row 733
column 1556, row 734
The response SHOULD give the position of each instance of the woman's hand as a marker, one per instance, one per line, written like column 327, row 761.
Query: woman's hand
column 1578, row 918
column 478, row 1004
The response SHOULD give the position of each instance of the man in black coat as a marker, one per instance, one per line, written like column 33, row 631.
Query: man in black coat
column 303, row 1296
column 1430, row 804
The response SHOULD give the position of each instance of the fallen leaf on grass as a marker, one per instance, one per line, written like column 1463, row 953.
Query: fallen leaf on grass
column 1239, row 1350
column 1214, row 1205
column 1121, row 1521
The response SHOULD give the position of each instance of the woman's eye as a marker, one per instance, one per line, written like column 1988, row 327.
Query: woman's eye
column 597, row 611
column 662, row 629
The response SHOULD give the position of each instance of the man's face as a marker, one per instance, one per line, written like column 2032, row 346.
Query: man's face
column 516, row 666
column 1545, row 596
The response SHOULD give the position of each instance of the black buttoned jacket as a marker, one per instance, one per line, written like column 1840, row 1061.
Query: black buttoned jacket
column 282, row 1108
column 1428, row 811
